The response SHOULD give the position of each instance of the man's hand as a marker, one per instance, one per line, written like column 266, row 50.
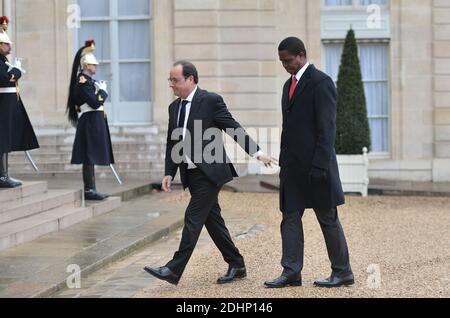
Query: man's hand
column 267, row 161
column 167, row 184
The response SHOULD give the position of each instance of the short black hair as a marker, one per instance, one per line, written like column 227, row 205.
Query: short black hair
column 293, row 45
column 189, row 69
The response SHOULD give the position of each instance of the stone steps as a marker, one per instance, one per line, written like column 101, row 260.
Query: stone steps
column 65, row 157
column 32, row 227
column 138, row 150
column 29, row 229
column 68, row 140
column 32, row 210
column 61, row 166
column 99, row 208
column 114, row 130
column 28, row 189
column 117, row 146
column 38, row 203
column 101, row 173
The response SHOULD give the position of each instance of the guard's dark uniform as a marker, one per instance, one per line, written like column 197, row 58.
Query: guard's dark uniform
column 92, row 144
column 16, row 132
column 92, row 141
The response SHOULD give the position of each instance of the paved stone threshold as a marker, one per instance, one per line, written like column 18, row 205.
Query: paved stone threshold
column 39, row 268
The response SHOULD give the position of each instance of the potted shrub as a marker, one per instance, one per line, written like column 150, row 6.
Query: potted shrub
column 352, row 126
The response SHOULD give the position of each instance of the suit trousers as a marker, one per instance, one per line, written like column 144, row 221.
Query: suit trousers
column 204, row 209
column 293, row 242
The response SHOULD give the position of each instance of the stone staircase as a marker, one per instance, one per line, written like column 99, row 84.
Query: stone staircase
column 138, row 150
column 32, row 210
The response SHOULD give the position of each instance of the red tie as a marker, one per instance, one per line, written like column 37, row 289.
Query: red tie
column 293, row 86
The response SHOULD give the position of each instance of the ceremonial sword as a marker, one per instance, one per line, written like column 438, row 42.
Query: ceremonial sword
column 115, row 174
column 30, row 159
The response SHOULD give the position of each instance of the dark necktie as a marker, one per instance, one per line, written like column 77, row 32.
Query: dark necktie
column 182, row 113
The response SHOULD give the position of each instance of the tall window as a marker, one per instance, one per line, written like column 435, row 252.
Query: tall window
column 122, row 30
column 374, row 59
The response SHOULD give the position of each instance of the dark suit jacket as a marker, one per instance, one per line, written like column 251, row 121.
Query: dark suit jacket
column 307, row 143
column 210, row 110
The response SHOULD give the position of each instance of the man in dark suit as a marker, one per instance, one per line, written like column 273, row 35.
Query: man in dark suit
column 204, row 169
column 309, row 176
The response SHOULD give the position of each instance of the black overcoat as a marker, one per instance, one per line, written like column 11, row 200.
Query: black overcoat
column 307, row 142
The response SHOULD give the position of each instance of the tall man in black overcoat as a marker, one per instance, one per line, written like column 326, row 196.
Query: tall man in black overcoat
column 309, row 176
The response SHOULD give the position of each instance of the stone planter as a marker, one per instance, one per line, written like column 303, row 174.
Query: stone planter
column 353, row 170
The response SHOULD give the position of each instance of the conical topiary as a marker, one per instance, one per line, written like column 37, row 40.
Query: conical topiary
column 352, row 124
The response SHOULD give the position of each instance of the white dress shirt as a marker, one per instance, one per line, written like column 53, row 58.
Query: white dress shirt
column 301, row 72
column 191, row 165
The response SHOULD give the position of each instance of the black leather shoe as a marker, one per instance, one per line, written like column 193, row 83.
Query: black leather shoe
column 232, row 274
column 334, row 281
column 7, row 183
column 284, row 281
column 163, row 273
column 93, row 195
column 17, row 183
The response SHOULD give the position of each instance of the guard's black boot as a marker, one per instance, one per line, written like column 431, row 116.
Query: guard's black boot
column 16, row 182
column 90, row 191
column 5, row 181
column 93, row 195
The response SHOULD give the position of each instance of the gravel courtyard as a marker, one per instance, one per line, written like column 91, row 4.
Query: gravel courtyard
column 407, row 238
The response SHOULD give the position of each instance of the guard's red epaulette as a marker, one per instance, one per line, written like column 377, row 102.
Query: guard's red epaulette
column 82, row 79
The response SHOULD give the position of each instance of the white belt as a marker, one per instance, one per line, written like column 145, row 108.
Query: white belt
column 8, row 90
column 85, row 108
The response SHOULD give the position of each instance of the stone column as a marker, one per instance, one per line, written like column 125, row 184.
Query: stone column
column 163, row 52
column 42, row 39
column 441, row 89
column 411, row 93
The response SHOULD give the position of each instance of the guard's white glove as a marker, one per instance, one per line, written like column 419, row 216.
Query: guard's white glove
column 17, row 64
column 10, row 66
column 102, row 86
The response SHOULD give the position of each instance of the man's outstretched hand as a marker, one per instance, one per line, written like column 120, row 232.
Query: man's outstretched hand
column 167, row 184
column 267, row 160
